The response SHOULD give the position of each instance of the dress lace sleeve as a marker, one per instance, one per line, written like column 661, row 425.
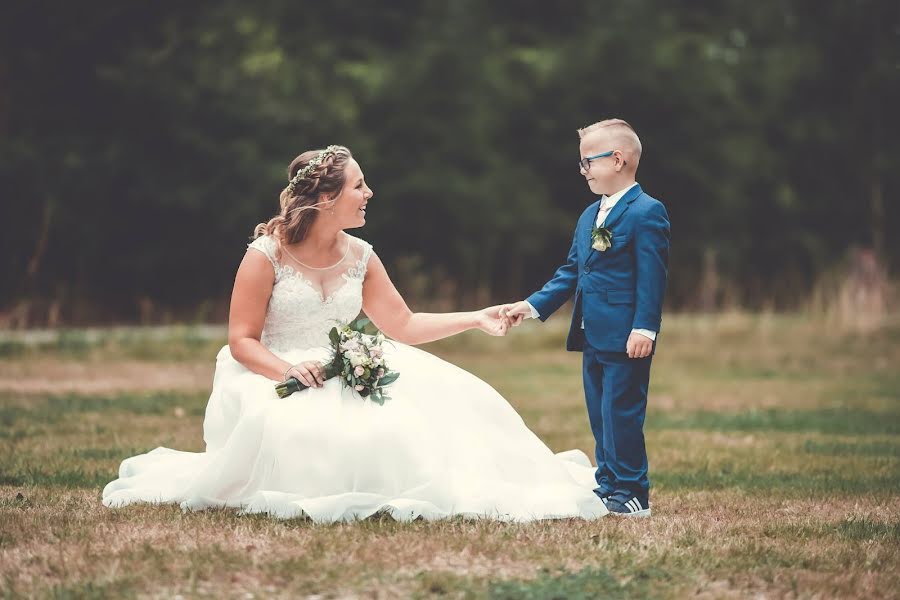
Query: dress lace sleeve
column 267, row 245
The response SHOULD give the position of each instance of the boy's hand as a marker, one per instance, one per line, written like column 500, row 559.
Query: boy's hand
column 638, row 346
column 516, row 312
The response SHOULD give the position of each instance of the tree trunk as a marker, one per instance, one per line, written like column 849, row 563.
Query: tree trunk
column 40, row 247
column 877, row 207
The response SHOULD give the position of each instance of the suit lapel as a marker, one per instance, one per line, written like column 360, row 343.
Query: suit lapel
column 615, row 215
column 586, row 232
column 621, row 207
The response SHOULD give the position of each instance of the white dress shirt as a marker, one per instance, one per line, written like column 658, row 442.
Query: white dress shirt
column 606, row 205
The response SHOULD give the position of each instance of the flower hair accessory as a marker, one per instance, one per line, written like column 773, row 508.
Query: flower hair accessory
column 312, row 166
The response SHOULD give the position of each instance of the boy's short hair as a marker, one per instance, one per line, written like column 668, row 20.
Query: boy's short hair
column 620, row 129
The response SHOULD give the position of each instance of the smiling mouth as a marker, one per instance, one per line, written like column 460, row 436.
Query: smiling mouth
column 362, row 209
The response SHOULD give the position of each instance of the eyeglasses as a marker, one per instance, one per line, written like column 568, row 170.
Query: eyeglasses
column 585, row 163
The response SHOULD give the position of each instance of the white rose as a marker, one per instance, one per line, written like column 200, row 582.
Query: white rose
column 600, row 244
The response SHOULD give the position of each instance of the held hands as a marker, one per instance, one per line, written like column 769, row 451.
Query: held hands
column 491, row 321
column 516, row 312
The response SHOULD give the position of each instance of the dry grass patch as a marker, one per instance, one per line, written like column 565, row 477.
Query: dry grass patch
column 775, row 463
column 695, row 540
column 52, row 376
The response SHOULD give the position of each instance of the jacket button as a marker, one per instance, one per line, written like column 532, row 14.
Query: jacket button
column 587, row 269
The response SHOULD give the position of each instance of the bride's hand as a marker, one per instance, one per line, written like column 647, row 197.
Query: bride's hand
column 310, row 373
column 492, row 322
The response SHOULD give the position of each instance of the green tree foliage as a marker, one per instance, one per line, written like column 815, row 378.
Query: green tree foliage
column 141, row 142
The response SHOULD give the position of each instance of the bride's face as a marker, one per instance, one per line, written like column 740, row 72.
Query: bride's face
column 350, row 204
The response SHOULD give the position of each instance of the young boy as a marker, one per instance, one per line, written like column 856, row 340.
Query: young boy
column 617, row 269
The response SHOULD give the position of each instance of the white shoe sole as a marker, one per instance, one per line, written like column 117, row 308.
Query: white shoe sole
column 641, row 514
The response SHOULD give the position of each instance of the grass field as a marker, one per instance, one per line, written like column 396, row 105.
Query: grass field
column 774, row 457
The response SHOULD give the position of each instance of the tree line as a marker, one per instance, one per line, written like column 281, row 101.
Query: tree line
column 140, row 143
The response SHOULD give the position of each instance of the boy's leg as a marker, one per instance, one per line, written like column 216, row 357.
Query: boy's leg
column 623, row 408
column 592, row 371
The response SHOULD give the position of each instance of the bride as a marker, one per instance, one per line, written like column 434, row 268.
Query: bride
column 445, row 444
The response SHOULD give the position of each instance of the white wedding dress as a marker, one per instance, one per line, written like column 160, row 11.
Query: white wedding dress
column 445, row 444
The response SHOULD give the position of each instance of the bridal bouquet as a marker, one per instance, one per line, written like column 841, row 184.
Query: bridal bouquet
column 358, row 359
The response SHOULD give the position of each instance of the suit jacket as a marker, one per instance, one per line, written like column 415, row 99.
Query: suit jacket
column 616, row 290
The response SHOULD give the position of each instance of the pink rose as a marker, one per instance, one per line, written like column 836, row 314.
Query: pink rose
column 360, row 388
column 358, row 371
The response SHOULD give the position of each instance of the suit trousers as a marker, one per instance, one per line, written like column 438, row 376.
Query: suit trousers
column 615, row 388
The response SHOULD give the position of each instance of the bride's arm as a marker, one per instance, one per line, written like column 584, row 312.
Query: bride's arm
column 249, row 300
column 386, row 308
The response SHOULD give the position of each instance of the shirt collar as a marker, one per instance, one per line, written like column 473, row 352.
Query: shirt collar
column 610, row 201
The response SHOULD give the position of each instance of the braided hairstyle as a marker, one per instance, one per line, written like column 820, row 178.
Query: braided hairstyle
column 313, row 176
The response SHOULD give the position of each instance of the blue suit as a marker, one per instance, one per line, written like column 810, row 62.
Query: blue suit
column 615, row 291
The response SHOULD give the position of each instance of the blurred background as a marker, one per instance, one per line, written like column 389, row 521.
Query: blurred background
column 141, row 142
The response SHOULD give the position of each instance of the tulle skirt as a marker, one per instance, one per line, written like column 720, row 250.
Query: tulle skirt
column 445, row 444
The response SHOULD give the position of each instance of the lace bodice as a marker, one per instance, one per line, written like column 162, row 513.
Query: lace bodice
column 306, row 304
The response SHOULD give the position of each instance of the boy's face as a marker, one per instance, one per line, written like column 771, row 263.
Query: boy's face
column 602, row 174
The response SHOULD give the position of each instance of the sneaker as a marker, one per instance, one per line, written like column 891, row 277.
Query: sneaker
column 630, row 508
column 604, row 496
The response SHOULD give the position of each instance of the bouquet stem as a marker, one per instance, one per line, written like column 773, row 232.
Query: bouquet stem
column 286, row 388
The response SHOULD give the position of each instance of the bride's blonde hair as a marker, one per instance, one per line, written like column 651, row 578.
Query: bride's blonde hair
column 315, row 179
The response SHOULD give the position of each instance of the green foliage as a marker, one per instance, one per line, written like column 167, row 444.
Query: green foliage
column 140, row 143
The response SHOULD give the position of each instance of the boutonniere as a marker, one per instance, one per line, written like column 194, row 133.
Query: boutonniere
column 601, row 239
